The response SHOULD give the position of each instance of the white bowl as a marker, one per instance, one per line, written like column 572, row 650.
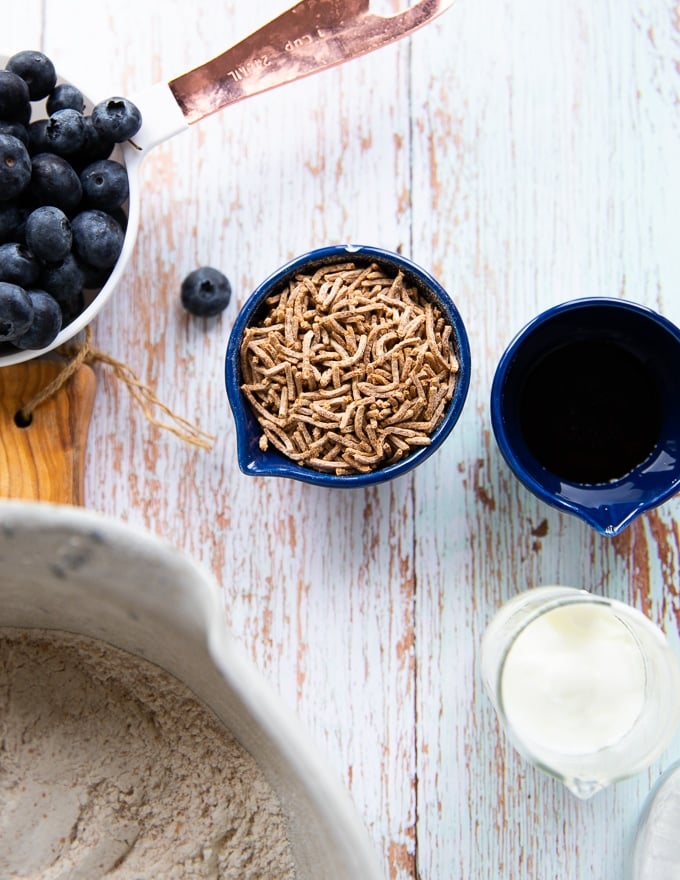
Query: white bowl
column 95, row 301
column 69, row 569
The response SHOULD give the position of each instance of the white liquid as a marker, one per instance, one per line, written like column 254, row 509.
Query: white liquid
column 573, row 682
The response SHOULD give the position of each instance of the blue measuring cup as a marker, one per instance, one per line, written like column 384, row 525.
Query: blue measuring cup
column 585, row 408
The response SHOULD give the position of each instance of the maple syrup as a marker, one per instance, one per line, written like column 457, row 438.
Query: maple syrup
column 590, row 411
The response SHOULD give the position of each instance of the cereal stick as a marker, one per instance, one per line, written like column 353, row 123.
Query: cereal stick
column 260, row 353
column 267, row 417
column 307, row 372
column 325, row 413
column 358, row 354
column 283, row 403
column 321, row 464
column 276, row 369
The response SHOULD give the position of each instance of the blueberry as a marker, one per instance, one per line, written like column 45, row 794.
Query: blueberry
column 65, row 97
column 97, row 238
column 16, row 311
column 120, row 217
column 105, row 184
column 55, row 182
column 65, row 132
column 18, row 265
column 36, row 70
column 37, row 137
column 48, row 233
column 15, row 167
column 71, row 308
column 117, row 118
column 12, row 222
column 96, row 145
column 46, row 322
column 205, row 292
column 93, row 278
column 15, row 104
column 16, row 129
column 64, row 280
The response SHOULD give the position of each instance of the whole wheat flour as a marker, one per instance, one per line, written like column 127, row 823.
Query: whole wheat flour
column 110, row 767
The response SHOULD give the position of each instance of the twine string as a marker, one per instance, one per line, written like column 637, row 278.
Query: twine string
column 85, row 353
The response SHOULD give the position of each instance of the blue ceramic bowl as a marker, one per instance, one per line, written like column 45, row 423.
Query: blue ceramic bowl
column 607, row 506
column 251, row 459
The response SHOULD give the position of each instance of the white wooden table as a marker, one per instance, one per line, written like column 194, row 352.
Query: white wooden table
column 525, row 153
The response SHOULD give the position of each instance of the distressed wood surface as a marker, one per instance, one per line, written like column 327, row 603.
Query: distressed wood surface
column 524, row 152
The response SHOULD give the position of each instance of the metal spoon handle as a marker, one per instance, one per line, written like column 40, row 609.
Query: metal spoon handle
column 311, row 36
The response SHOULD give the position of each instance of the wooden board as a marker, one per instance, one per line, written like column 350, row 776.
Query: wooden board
column 42, row 457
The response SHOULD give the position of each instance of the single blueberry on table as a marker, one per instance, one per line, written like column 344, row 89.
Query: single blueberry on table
column 117, row 118
column 105, row 184
column 16, row 311
column 15, row 167
column 65, row 132
column 65, row 96
column 46, row 322
column 18, row 264
column 36, row 70
column 97, row 238
column 48, row 233
column 55, row 182
column 15, row 104
column 205, row 292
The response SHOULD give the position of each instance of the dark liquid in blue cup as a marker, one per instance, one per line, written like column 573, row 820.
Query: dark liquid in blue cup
column 578, row 423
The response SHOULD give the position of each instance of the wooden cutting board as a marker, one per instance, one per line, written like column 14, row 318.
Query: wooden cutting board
column 44, row 460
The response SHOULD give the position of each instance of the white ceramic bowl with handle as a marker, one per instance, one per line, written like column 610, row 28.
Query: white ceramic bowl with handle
column 311, row 36
column 68, row 569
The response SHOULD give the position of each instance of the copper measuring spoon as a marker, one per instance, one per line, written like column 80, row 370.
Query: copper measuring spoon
column 311, row 36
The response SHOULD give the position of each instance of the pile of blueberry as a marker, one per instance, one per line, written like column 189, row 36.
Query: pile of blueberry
column 62, row 199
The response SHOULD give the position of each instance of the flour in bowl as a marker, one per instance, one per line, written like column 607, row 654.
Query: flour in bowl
column 110, row 767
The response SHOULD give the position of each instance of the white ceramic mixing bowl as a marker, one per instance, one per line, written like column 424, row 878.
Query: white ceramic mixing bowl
column 68, row 569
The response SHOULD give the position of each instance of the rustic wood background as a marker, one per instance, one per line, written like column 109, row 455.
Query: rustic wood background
column 526, row 153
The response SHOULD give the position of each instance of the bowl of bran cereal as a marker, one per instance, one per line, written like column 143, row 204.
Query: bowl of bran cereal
column 348, row 366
